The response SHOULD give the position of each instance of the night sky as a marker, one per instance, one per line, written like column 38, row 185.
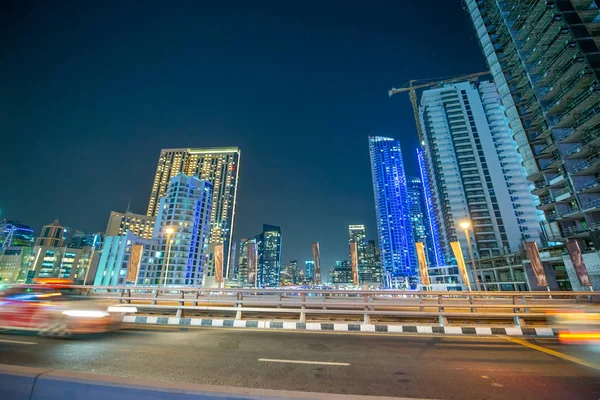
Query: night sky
column 91, row 91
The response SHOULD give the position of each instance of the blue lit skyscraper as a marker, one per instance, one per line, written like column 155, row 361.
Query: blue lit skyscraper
column 396, row 239
column 434, row 251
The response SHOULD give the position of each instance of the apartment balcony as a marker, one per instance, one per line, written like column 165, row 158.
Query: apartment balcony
column 540, row 187
column 576, row 230
column 574, row 73
column 590, row 204
column 557, row 57
column 523, row 26
column 569, row 213
column 546, row 203
column 544, row 150
column 562, row 194
column 587, row 99
column 588, row 166
column 589, row 186
column 548, row 164
column 545, row 42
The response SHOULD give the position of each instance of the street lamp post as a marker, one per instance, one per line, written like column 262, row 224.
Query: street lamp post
column 168, row 233
column 466, row 225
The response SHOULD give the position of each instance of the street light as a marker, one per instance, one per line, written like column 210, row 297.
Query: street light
column 466, row 225
column 168, row 232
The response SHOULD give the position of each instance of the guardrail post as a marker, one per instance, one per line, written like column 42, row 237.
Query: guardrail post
column 303, row 308
column 155, row 296
column 123, row 291
column 279, row 302
column 471, row 302
column 442, row 320
column 181, row 304
column 422, row 309
column 238, row 313
column 197, row 297
column 367, row 317
column 524, row 302
column 576, row 299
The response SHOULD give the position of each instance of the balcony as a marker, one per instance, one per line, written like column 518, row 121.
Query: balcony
column 576, row 230
column 569, row 212
column 590, row 186
column 587, row 166
column 590, row 204
column 562, row 194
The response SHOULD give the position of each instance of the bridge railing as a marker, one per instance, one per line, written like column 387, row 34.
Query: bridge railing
column 360, row 304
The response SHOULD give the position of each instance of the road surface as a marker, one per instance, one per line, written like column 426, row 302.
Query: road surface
column 428, row 367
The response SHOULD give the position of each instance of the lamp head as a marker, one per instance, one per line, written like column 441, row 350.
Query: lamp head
column 169, row 231
column 465, row 224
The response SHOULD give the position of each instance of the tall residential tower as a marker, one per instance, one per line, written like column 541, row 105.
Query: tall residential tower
column 217, row 166
column 476, row 172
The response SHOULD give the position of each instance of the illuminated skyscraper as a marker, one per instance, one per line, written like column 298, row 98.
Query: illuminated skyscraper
column 433, row 247
column 182, row 230
column 219, row 167
column 396, row 240
column 476, row 170
column 357, row 234
column 309, row 267
column 269, row 256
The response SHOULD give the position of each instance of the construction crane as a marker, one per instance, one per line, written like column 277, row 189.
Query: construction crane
column 411, row 88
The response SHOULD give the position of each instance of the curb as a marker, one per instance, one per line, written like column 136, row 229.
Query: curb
column 342, row 327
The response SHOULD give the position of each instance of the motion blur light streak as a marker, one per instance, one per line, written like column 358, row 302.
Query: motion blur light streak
column 579, row 337
column 86, row 313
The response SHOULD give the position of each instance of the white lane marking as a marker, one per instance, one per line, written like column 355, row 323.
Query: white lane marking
column 302, row 362
column 16, row 341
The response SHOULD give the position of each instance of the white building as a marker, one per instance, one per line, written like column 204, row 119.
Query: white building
column 183, row 229
column 129, row 259
column 476, row 172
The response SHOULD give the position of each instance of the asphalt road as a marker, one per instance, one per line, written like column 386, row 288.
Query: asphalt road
column 429, row 367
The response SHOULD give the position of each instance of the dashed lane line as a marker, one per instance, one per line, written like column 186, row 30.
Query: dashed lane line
column 303, row 362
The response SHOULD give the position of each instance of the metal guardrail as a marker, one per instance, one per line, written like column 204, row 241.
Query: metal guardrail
column 439, row 305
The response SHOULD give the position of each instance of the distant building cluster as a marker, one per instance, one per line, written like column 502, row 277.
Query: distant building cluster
column 507, row 197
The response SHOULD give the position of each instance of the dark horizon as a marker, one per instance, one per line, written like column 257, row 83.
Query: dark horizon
column 92, row 93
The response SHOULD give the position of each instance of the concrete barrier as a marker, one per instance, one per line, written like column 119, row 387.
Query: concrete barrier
column 24, row 383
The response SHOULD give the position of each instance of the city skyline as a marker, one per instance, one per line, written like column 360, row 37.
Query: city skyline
column 285, row 104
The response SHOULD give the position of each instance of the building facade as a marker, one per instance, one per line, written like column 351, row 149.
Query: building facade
column 289, row 274
column 309, row 272
column 16, row 247
column 341, row 274
column 544, row 60
column 219, row 167
column 185, row 210
column 433, row 246
column 396, row 241
column 476, row 171
column 269, row 256
column 129, row 259
column 140, row 225
column 543, row 56
column 14, row 261
column 358, row 235
column 15, row 234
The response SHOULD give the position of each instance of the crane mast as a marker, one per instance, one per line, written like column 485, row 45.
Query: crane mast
column 412, row 94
